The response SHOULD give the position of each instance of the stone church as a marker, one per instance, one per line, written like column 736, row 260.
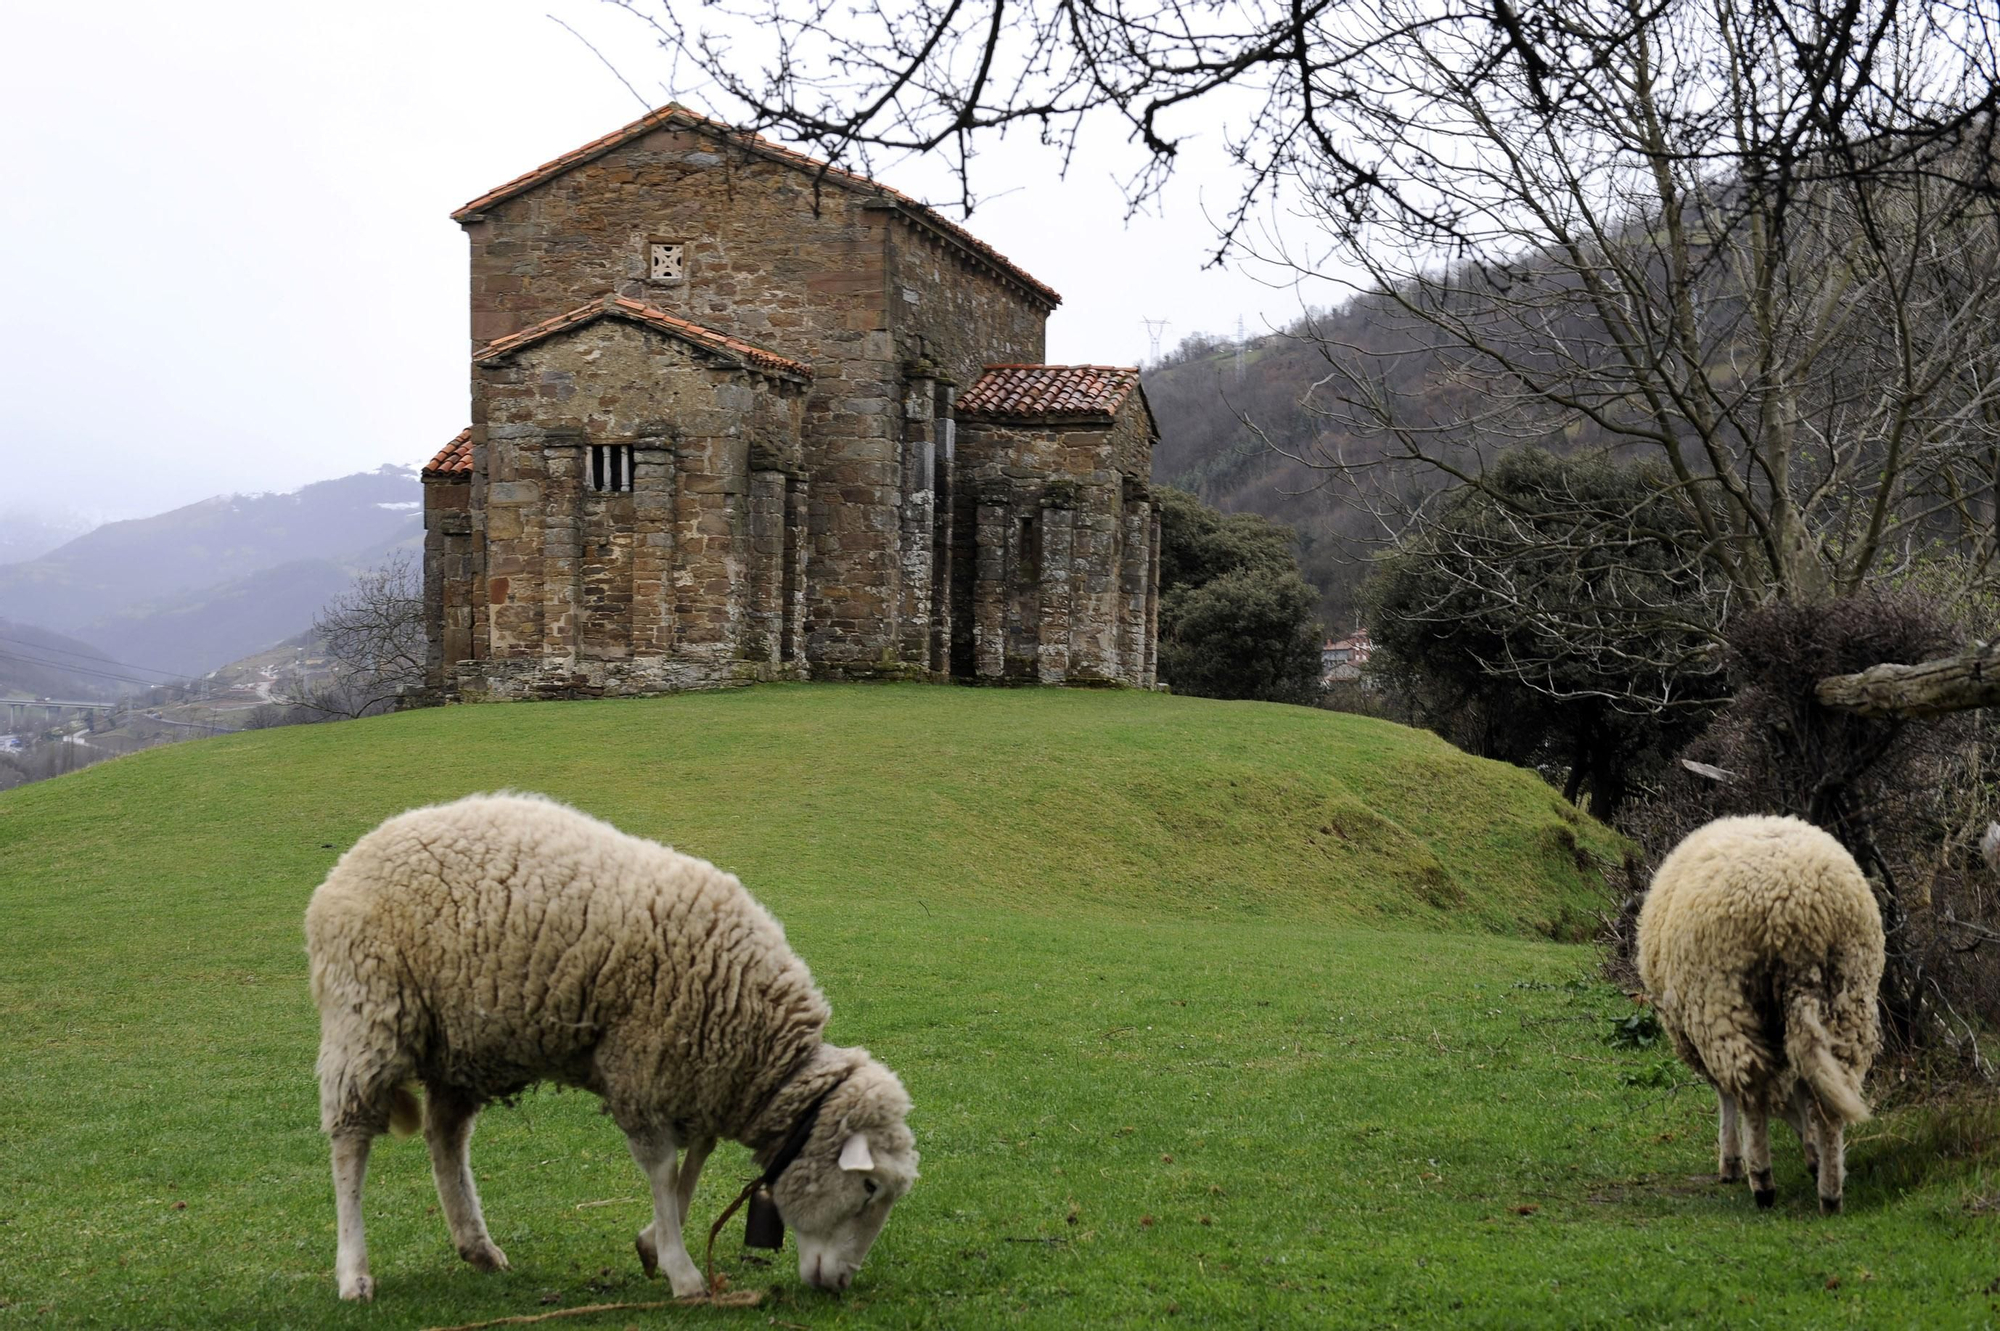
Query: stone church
column 738, row 415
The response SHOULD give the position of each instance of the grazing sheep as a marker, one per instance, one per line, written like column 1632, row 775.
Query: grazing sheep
column 483, row 946
column 1761, row 946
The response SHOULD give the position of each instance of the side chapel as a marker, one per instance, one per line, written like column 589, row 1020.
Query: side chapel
column 739, row 415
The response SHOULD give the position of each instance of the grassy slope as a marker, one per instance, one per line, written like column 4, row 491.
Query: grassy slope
column 1152, row 969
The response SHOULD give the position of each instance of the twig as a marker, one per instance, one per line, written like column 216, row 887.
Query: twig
column 742, row 1298
column 526, row 1318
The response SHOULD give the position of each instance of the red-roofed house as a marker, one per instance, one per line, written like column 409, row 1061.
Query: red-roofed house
column 736, row 415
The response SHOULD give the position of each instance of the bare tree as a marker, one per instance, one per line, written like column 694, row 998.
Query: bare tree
column 1306, row 85
column 373, row 638
column 1682, row 261
column 1754, row 240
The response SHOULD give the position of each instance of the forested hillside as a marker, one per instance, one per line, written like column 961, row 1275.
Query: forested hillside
column 1243, row 425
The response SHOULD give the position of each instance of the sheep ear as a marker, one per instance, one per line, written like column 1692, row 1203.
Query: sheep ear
column 856, row 1155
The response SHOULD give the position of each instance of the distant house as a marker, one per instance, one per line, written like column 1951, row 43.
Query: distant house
column 1342, row 660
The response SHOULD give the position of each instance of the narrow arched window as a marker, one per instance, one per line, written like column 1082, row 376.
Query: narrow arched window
column 611, row 468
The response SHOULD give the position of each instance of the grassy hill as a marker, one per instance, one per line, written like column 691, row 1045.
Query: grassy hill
column 1212, row 1012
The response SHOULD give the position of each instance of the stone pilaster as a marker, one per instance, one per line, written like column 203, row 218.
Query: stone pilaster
column 1057, row 591
column 943, row 505
column 653, row 485
column 1149, row 676
column 1135, row 582
column 991, row 537
column 916, row 533
column 763, row 639
column 798, row 507
column 562, row 452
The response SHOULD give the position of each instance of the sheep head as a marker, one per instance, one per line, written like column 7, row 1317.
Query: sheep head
column 859, row 1162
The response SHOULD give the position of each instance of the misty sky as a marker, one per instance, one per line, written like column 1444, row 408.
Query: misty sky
column 230, row 264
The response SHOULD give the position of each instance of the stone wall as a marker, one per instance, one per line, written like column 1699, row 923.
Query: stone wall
column 954, row 315
column 766, row 257
column 951, row 319
column 449, row 573
column 685, row 574
column 1062, row 576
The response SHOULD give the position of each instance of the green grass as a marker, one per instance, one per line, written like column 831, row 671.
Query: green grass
column 1213, row 1014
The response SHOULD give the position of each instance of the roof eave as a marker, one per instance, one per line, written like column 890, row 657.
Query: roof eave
column 922, row 218
column 1093, row 419
column 718, row 357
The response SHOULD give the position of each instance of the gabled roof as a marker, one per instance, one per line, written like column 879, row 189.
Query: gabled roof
column 1043, row 391
column 613, row 306
column 675, row 114
column 455, row 458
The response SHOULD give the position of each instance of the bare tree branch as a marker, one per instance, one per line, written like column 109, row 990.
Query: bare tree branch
column 1912, row 692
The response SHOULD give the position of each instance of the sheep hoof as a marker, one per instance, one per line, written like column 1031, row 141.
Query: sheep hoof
column 485, row 1256
column 358, row 1289
column 1829, row 1206
column 1766, row 1198
column 649, row 1257
column 1731, row 1171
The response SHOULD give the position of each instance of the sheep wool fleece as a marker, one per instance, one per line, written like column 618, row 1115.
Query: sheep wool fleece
column 501, row 940
column 1761, row 946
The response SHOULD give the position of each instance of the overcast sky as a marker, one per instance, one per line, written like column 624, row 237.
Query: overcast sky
column 230, row 263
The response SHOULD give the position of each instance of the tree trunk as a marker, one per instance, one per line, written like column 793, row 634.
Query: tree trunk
column 1911, row 692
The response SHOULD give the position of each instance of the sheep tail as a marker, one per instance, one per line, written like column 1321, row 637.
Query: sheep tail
column 406, row 1112
column 1810, row 1051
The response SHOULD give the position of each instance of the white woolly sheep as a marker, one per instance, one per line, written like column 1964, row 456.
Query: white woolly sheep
column 483, row 946
column 1761, row 947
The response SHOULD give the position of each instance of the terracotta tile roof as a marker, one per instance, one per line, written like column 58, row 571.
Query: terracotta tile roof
column 455, row 458
column 1048, row 390
column 623, row 307
column 674, row 113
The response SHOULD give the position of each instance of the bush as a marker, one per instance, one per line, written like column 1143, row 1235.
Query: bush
column 1555, row 615
column 1236, row 619
column 1908, row 800
column 1248, row 634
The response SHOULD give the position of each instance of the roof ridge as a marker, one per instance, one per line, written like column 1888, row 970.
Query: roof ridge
column 757, row 143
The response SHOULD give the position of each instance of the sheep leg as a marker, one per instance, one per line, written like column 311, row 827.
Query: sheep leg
column 655, row 1150
column 1728, row 1140
column 448, row 1119
column 1803, row 1114
column 350, row 1170
column 1832, row 1163
column 697, row 1156
column 1757, row 1120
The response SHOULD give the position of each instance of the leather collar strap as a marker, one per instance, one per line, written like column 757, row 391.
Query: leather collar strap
column 794, row 1145
column 801, row 1133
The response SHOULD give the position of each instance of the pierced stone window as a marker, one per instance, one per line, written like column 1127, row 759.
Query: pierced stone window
column 664, row 264
column 611, row 468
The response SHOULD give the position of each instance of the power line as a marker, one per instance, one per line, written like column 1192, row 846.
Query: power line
column 74, row 669
column 95, row 660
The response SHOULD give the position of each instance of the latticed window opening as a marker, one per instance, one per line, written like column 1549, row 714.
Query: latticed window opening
column 611, row 468
column 665, row 262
